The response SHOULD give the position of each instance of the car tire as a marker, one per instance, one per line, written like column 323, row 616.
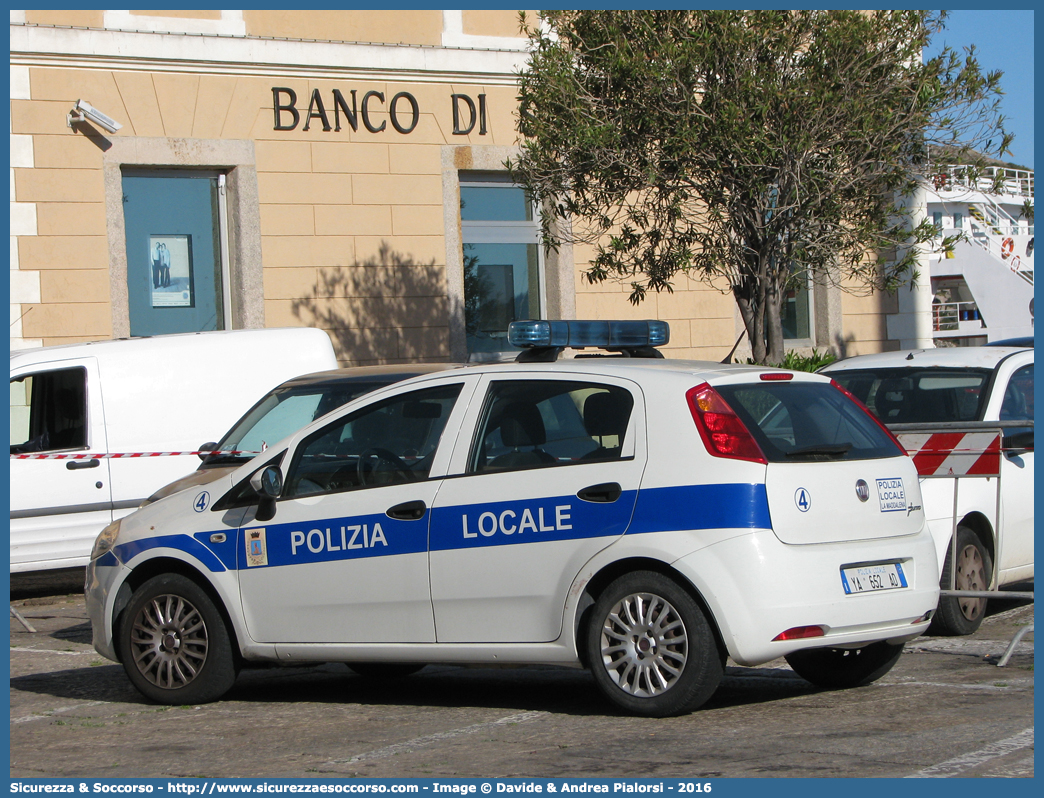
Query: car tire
column 957, row 615
column 174, row 644
column 842, row 668
column 651, row 649
column 385, row 670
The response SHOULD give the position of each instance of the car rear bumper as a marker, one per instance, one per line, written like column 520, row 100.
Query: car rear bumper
column 757, row 588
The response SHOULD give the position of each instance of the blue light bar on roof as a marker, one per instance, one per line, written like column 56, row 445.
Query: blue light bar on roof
column 580, row 334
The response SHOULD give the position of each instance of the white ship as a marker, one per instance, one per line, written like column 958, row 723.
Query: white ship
column 982, row 289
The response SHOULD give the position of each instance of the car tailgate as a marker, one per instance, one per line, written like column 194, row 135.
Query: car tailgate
column 823, row 502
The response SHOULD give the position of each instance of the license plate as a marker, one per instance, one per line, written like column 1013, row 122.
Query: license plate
column 870, row 578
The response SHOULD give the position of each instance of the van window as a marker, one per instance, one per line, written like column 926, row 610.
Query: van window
column 1018, row 396
column 49, row 411
column 917, row 396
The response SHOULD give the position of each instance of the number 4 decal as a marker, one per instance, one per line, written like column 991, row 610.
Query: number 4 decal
column 803, row 500
column 201, row 502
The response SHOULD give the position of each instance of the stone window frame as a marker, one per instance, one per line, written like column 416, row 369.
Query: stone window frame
column 559, row 278
column 233, row 158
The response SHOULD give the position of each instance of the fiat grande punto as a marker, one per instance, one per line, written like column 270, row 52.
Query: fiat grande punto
column 641, row 517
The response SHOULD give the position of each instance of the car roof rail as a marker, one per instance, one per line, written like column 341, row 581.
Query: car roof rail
column 542, row 341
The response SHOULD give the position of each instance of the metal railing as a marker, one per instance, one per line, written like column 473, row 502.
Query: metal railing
column 1012, row 182
column 948, row 315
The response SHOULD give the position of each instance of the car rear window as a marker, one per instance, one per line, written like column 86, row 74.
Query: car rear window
column 807, row 421
column 917, row 396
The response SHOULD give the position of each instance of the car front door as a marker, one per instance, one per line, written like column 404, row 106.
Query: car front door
column 549, row 479
column 345, row 557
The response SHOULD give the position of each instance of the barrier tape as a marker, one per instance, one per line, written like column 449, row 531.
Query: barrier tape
column 117, row 455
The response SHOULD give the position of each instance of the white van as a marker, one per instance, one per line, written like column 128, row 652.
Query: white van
column 139, row 396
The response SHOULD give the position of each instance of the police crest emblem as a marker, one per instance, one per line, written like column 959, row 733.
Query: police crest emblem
column 256, row 549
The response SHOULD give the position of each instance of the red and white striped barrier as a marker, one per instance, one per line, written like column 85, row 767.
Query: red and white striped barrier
column 953, row 454
column 117, row 455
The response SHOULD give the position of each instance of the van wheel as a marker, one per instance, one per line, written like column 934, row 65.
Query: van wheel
column 841, row 668
column 174, row 644
column 385, row 670
column 959, row 615
column 652, row 651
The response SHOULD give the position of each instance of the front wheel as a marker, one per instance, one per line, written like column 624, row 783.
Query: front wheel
column 173, row 643
column 841, row 668
column 960, row 615
column 651, row 650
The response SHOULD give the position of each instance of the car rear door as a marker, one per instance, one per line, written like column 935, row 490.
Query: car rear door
column 549, row 478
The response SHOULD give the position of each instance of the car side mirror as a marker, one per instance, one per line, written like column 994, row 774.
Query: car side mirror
column 267, row 484
column 1019, row 443
column 205, row 449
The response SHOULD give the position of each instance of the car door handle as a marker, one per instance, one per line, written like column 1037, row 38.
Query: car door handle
column 76, row 465
column 407, row 511
column 606, row 493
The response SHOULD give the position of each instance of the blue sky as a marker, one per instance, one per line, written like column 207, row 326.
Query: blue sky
column 1004, row 40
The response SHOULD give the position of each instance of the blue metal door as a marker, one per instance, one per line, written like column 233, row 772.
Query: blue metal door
column 174, row 268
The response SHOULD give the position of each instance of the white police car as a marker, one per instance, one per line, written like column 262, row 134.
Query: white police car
column 643, row 517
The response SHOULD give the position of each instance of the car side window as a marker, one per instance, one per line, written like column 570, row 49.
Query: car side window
column 540, row 423
column 49, row 411
column 390, row 442
column 1018, row 396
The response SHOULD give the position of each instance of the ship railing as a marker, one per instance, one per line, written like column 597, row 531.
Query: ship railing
column 947, row 316
column 1011, row 182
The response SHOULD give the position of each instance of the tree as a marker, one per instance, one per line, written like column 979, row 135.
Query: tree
column 761, row 147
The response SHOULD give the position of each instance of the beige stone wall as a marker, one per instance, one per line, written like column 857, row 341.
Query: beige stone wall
column 495, row 23
column 351, row 221
column 865, row 323
column 69, row 16
column 701, row 317
column 416, row 26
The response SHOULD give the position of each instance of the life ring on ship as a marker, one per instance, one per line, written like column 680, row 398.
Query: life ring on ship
column 941, row 181
column 1016, row 264
column 1007, row 247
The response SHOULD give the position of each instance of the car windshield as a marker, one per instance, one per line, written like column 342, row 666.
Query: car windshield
column 918, row 396
column 807, row 421
column 283, row 412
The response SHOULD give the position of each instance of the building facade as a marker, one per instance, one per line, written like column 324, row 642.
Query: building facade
column 189, row 170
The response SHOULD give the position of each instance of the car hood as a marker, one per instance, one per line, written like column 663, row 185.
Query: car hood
column 201, row 477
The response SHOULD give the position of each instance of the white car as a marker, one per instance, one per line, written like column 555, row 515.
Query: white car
column 948, row 406
column 627, row 514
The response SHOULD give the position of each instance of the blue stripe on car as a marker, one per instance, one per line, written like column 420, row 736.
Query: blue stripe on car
column 688, row 507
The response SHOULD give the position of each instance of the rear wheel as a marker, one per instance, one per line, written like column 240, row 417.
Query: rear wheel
column 841, row 668
column 173, row 643
column 958, row 615
column 651, row 650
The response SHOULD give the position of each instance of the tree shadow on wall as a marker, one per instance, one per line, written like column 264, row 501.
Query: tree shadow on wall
column 386, row 309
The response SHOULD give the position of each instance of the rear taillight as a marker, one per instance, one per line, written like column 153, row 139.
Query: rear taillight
column 723, row 433
column 870, row 413
column 801, row 633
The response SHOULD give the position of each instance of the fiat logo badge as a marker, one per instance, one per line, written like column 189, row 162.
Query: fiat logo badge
column 862, row 490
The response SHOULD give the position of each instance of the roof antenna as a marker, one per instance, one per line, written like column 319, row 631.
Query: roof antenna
column 910, row 356
column 728, row 357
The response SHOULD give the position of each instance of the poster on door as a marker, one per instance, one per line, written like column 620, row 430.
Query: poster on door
column 171, row 271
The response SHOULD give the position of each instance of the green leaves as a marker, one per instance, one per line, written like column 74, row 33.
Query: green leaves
column 743, row 144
